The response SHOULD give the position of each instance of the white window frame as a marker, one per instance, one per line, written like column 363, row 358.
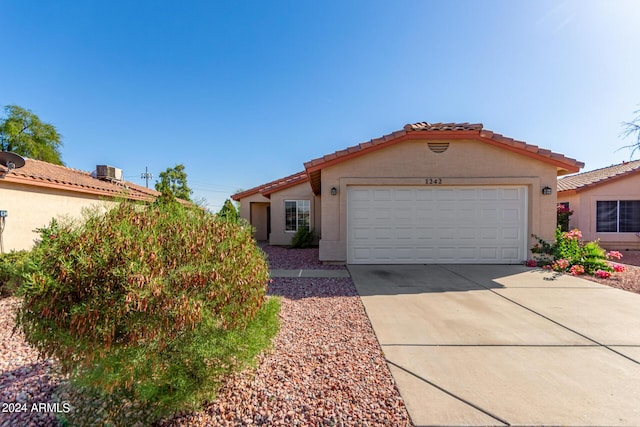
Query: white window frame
column 299, row 204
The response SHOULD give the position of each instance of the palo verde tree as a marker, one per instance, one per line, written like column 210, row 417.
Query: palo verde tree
column 173, row 183
column 632, row 129
column 22, row 132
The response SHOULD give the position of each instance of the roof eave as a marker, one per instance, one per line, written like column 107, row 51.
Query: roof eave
column 15, row 179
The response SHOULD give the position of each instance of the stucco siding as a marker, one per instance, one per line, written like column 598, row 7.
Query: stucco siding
column 279, row 236
column 32, row 207
column 584, row 202
column 413, row 162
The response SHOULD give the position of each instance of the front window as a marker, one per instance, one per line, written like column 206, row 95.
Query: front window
column 297, row 214
column 618, row 216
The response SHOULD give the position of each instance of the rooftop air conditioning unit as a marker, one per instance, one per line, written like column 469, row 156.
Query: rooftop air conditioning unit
column 108, row 173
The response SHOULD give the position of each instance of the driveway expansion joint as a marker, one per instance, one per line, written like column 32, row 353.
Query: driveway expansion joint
column 448, row 393
column 542, row 315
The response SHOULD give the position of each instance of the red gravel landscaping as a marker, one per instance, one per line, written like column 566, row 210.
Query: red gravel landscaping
column 325, row 368
column 280, row 257
column 630, row 279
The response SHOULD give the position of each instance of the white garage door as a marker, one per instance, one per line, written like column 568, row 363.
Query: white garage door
column 417, row 225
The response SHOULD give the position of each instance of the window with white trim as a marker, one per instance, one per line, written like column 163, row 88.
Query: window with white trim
column 297, row 215
column 618, row 216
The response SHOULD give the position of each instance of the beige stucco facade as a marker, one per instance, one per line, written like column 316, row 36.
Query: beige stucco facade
column 388, row 178
column 254, row 209
column 31, row 207
column 464, row 163
column 279, row 236
column 583, row 203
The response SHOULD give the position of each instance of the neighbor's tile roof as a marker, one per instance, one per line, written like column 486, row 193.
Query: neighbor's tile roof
column 273, row 186
column 597, row 176
column 42, row 174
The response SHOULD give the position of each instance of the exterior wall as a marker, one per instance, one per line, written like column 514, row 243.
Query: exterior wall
column 412, row 162
column 298, row 192
column 259, row 220
column 583, row 205
column 32, row 207
column 248, row 208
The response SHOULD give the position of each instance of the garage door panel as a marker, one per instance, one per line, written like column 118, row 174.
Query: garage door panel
column 424, row 233
column 467, row 233
column 382, row 195
column 488, row 253
column 436, row 225
column 511, row 234
column 404, row 233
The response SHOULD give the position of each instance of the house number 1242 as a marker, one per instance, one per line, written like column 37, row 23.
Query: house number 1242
column 434, row 181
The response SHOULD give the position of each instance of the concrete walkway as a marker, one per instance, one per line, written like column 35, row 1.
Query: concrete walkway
column 472, row 345
column 310, row 273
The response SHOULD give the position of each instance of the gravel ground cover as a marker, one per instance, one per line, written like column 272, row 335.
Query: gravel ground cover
column 630, row 279
column 280, row 257
column 24, row 378
column 325, row 368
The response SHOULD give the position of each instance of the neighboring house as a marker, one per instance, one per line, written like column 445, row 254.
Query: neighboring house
column 429, row 193
column 40, row 191
column 605, row 204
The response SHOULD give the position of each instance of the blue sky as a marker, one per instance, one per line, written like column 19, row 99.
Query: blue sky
column 244, row 92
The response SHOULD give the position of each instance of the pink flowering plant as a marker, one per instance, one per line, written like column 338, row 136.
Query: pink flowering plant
column 563, row 214
column 570, row 254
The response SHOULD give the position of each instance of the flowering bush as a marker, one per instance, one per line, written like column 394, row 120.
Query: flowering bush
column 614, row 254
column 576, row 270
column 560, row 265
column 570, row 254
column 619, row 268
column 603, row 274
column 531, row 263
column 563, row 214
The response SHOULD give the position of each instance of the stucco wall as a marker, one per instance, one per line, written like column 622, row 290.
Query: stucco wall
column 410, row 162
column 298, row 192
column 583, row 204
column 32, row 207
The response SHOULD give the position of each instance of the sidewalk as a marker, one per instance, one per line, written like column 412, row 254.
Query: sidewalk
column 309, row 273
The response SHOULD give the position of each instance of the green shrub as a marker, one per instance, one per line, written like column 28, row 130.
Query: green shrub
column 228, row 211
column 570, row 254
column 12, row 266
column 303, row 238
column 156, row 304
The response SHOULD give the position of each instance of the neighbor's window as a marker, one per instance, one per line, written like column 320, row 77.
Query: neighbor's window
column 618, row 216
column 297, row 214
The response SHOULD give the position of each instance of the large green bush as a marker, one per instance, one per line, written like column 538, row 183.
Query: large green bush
column 153, row 303
column 12, row 265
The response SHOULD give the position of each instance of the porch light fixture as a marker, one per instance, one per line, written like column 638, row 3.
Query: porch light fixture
column 546, row 191
column 334, row 191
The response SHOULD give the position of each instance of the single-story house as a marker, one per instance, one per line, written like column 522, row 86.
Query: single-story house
column 429, row 193
column 605, row 204
column 39, row 191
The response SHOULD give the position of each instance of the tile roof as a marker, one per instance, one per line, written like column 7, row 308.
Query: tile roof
column 443, row 126
column 42, row 174
column 435, row 131
column 273, row 186
column 424, row 130
column 598, row 176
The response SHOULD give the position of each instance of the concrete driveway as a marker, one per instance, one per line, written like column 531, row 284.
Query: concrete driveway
column 472, row 345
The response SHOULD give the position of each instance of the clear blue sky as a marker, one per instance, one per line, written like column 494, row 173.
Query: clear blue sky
column 244, row 92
